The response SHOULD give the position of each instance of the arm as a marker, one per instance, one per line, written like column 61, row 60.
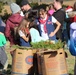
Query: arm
column 25, row 38
column 7, row 29
column 57, row 28
column 22, row 35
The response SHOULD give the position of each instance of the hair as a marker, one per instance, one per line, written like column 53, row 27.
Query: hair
column 47, row 8
column 51, row 6
column 34, row 25
column 42, row 11
column 23, row 25
column 74, row 6
column 61, row 1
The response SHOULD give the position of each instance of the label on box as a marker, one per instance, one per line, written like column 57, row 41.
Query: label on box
column 29, row 60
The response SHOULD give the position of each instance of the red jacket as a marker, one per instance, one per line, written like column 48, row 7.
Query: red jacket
column 13, row 20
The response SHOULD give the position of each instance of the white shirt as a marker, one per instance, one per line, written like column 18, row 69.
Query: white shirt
column 21, row 33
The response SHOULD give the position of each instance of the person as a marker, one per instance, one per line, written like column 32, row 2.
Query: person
column 23, row 31
column 27, row 9
column 2, row 25
column 25, row 6
column 72, row 46
column 65, row 30
column 12, row 22
column 60, row 15
column 46, row 27
column 47, row 8
column 3, row 55
column 34, row 33
column 51, row 9
column 74, row 7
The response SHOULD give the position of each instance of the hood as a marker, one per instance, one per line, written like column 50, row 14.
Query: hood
column 15, row 18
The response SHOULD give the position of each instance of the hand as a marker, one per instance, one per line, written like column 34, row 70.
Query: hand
column 1, row 33
column 51, row 34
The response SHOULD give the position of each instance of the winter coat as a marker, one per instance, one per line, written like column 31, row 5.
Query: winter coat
column 13, row 21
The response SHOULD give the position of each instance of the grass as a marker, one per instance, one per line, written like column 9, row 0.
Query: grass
column 70, row 61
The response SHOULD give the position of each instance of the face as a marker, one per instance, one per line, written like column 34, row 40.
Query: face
column 24, row 8
column 42, row 15
column 55, row 4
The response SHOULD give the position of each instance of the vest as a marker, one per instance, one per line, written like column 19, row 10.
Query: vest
column 49, row 26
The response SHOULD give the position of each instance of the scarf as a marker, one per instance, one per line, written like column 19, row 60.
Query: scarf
column 44, row 23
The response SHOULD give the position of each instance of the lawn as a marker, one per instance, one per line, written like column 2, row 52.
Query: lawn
column 70, row 61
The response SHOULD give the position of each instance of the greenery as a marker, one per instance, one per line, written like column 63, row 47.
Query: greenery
column 47, row 45
column 1, row 6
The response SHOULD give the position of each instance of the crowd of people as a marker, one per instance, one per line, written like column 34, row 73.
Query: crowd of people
column 22, row 27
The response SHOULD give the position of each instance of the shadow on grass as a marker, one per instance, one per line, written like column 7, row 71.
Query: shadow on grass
column 9, row 66
column 9, row 69
column 70, row 74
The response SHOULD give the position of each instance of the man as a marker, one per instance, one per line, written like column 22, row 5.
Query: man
column 28, row 11
column 25, row 6
column 60, row 16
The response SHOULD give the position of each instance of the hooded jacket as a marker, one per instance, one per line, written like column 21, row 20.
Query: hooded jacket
column 13, row 20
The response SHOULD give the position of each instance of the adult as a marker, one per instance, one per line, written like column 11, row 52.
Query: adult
column 74, row 7
column 12, row 22
column 60, row 16
column 25, row 6
column 28, row 11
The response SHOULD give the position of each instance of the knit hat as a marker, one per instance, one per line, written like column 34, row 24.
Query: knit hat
column 15, row 8
column 24, row 2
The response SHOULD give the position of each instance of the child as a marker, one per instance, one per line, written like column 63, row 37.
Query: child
column 35, row 36
column 3, row 56
column 46, row 27
column 23, row 31
column 51, row 9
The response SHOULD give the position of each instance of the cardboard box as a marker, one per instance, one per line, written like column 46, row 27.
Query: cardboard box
column 22, row 62
column 53, row 62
